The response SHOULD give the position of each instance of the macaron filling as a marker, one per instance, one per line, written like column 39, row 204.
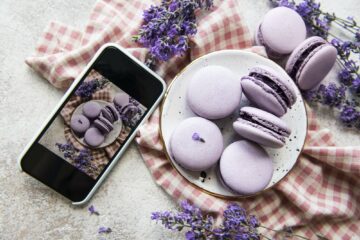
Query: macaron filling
column 107, row 123
column 303, row 56
column 223, row 181
column 273, row 85
column 267, row 89
column 112, row 110
column 264, row 129
column 245, row 116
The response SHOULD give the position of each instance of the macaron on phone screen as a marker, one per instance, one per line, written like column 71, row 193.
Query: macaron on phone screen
column 92, row 125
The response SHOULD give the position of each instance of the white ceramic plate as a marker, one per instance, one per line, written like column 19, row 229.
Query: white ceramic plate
column 175, row 110
column 111, row 137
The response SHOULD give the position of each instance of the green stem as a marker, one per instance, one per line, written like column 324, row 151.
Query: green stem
column 262, row 235
column 347, row 29
column 347, row 23
column 318, row 28
column 281, row 231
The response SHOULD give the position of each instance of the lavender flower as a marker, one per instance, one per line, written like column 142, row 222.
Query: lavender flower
column 92, row 210
column 88, row 88
column 350, row 116
column 332, row 95
column 104, row 230
column 357, row 36
column 67, row 149
column 345, row 77
column 167, row 28
column 81, row 159
column 237, row 225
column 356, row 86
column 196, row 137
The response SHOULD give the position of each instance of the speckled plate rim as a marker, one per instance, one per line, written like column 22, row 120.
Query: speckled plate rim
column 166, row 151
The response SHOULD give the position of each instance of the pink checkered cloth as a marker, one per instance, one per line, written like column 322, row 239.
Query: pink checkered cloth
column 321, row 194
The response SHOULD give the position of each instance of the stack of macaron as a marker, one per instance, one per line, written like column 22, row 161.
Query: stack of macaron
column 94, row 123
column 282, row 32
column 215, row 92
column 97, row 121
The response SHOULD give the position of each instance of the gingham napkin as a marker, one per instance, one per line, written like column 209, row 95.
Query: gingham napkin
column 321, row 194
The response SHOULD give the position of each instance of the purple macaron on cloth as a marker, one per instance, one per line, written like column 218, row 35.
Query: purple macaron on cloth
column 321, row 194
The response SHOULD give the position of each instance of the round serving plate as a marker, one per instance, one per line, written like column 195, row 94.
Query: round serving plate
column 174, row 109
column 111, row 137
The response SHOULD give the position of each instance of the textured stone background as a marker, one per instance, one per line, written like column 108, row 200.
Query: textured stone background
column 28, row 210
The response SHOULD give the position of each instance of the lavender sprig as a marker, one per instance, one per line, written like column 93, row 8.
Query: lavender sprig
column 167, row 28
column 87, row 88
column 81, row 159
column 196, row 137
column 344, row 96
column 104, row 230
column 237, row 224
column 92, row 210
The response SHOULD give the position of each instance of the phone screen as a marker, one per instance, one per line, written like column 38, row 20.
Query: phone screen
column 93, row 124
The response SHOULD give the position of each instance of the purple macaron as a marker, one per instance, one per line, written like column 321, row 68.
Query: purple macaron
column 214, row 92
column 281, row 31
column 245, row 168
column 91, row 109
column 104, row 125
column 79, row 124
column 310, row 62
column 261, row 127
column 196, row 144
column 269, row 90
column 120, row 100
column 94, row 137
column 110, row 113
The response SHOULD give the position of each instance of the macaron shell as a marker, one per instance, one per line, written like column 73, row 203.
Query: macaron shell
column 93, row 137
column 245, row 167
column 106, row 113
column 121, row 99
column 257, row 134
column 106, row 122
column 299, row 50
column 316, row 67
column 101, row 126
column 113, row 111
column 268, row 117
column 263, row 96
column 79, row 124
column 192, row 154
column 214, row 92
column 279, row 79
column 283, row 30
column 91, row 109
column 259, row 41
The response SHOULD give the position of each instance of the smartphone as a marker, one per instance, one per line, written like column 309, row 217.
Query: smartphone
column 93, row 124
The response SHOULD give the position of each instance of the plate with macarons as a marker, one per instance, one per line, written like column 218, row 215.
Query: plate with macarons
column 233, row 123
column 104, row 122
column 98, row 123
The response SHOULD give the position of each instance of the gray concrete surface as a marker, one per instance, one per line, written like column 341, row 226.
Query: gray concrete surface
column 29, row 210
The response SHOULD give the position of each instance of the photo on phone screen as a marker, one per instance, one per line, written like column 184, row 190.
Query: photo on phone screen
column 93, row 124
